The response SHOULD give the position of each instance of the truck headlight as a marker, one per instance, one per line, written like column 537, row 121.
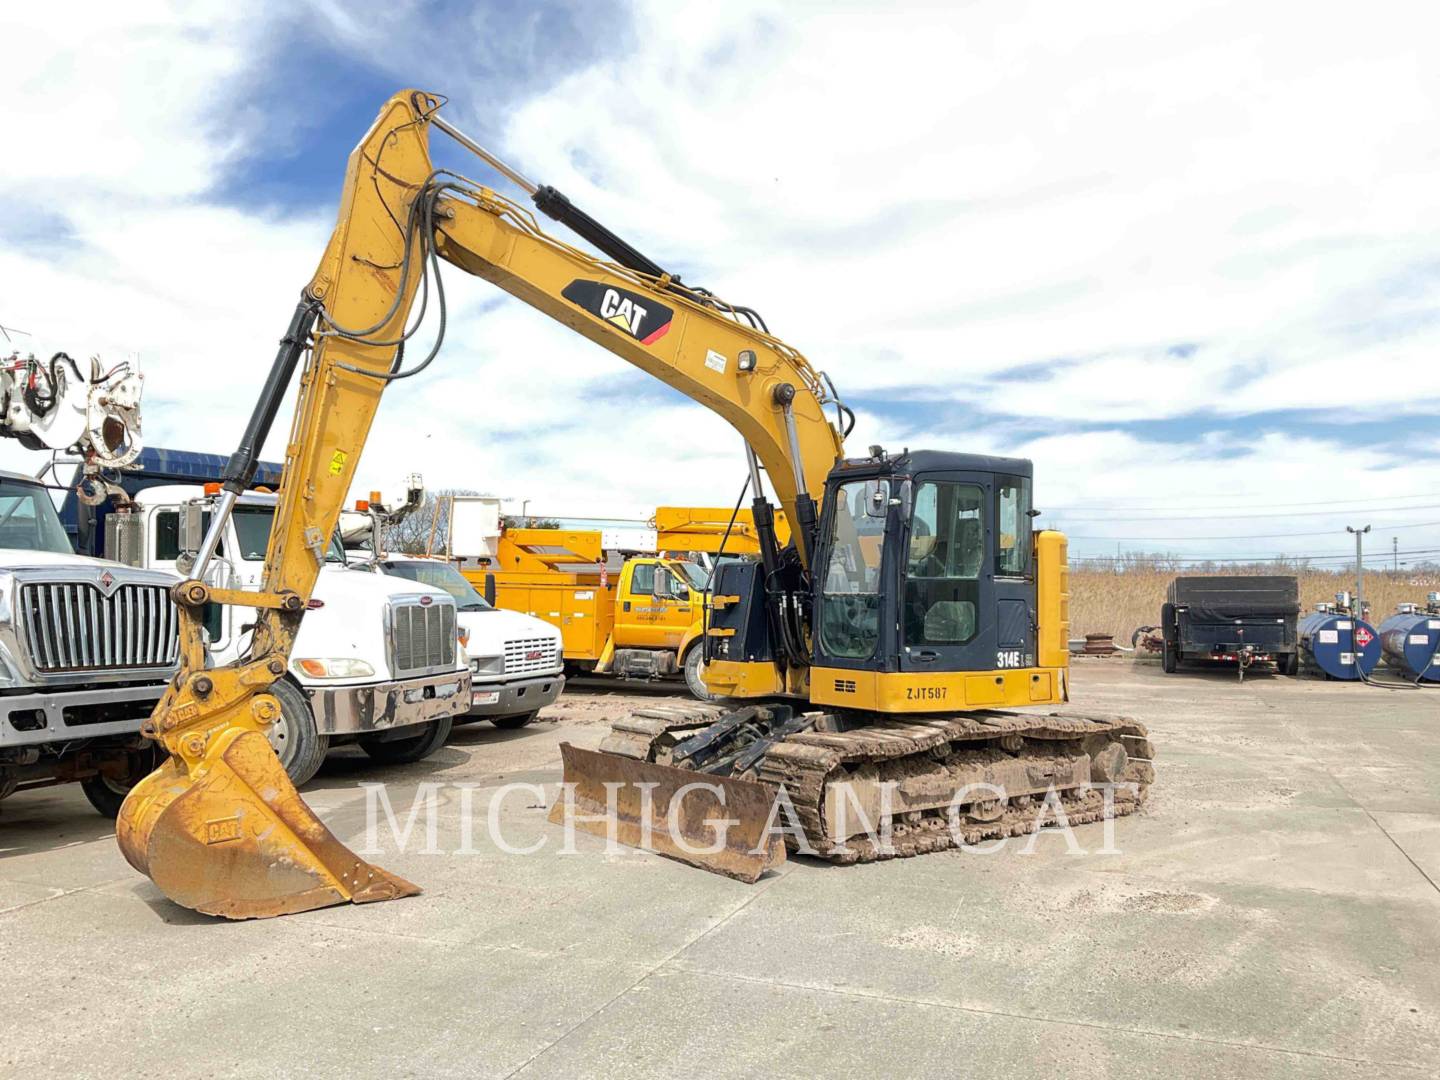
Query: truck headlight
column 487, row 665
column 335, row 668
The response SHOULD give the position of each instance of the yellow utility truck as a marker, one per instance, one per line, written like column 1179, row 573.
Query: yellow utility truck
column 621, row 613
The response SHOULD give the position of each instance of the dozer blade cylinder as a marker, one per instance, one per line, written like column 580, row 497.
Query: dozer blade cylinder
column 232, row 837
column 714, row 822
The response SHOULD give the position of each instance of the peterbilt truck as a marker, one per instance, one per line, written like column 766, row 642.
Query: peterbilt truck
column 516, row 660
column 378, row 660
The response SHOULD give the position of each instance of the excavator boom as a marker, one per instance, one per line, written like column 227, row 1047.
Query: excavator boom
column 219, row 828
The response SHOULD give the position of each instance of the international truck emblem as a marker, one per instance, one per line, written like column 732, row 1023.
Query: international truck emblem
column 107, row 580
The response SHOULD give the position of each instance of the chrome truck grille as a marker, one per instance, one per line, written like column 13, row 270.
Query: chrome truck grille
column 75, row 627
column 531, row 654
column 422, row 637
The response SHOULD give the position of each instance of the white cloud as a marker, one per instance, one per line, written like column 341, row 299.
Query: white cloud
column 919, row 198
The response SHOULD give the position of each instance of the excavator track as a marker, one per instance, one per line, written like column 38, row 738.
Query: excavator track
column 834, row 770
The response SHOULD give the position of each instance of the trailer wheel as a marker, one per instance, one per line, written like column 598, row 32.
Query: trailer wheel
column 694, row 663
column 1288, row 664
column 407, row 751
column 1170, row 653
column 300, row 748
column 519, row 720
column 107, row 793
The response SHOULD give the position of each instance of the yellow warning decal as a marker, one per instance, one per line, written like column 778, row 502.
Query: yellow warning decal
column 337, row 462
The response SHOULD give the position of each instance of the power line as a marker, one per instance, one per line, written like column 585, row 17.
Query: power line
column 1238, row 506
column 1185, row 557
column 1211, row 517
column 1240, row 536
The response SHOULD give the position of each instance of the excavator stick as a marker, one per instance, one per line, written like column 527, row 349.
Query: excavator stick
column 717, row 823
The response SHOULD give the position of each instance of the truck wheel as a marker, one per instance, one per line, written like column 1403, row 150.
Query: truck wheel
column 1169, row 662
column 409, row 750
column 300, row 748
column 1170, row 653
column 694, row 662
column 1288, row 664
column 509, row 723
column 107, row 793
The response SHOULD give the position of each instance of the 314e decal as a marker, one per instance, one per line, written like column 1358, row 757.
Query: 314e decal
column 639, row 316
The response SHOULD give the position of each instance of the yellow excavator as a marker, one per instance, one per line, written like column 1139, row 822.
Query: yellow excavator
column 869, row 660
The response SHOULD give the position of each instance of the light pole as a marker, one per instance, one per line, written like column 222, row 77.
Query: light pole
column 1359, row 570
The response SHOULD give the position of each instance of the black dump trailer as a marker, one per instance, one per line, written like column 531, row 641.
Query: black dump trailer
column 1240, row 619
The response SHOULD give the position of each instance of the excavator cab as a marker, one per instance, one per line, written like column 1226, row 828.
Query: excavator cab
column 925, row 590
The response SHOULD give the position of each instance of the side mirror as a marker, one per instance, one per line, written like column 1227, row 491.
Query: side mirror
column 877, row 498
column 192, row 527
column 490, row 589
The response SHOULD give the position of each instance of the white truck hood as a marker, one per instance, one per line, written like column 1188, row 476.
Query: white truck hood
column 489, row 630
column 24, row 559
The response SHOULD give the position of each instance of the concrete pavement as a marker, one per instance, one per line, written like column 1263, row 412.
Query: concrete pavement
column 1273, row 912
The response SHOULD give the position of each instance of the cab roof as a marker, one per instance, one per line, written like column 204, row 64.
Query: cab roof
column 913, row 462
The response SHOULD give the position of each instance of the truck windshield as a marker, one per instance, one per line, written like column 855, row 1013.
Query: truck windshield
column 439, row 575
column 694, row 574
column 252, row 530
column 28, row 521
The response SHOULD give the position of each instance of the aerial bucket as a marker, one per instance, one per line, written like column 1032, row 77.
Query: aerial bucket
column 714, row 822
column 229, row 835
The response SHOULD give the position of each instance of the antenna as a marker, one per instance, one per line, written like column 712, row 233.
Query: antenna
column 8, row 330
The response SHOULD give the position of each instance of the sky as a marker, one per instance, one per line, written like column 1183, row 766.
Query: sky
column 1184, row 256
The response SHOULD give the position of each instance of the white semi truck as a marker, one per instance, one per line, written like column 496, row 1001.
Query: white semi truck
column 377, row 661
column 516, row 661
column 86, row 646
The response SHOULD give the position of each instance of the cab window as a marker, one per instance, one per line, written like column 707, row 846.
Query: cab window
column 850, row 593
column 1013, row 526
column 642, row 579
column 943, row 565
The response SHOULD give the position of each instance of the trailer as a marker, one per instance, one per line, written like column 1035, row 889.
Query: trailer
column 1242, row 620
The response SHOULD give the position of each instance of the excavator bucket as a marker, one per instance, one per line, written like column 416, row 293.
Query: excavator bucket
column 232, row 837
column 714, row 822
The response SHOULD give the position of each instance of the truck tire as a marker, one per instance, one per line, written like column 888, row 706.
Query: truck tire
column 1288, row 664
column 409, row 750
column 519, row 720
column 300, row 748
column 694, row 661
column 106, row 793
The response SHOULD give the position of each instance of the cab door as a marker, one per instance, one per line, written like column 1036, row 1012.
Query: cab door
column 675, row 608
column 655, row 608
column 638, row 623
column 1015, row 601
column 948, row 611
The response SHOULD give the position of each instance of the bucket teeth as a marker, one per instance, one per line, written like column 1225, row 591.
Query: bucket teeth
column 235, row 838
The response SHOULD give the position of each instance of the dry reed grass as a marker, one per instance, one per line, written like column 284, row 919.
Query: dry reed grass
column 1105, row 602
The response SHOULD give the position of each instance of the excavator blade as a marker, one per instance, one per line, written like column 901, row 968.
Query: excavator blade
column 234, row 838
column 714, row 822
